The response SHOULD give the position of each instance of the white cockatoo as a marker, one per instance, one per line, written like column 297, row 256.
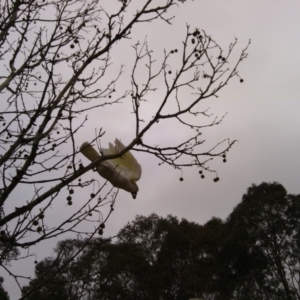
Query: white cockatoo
column 122, row 172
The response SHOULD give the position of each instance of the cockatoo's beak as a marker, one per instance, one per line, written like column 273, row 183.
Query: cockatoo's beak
column 122, row 172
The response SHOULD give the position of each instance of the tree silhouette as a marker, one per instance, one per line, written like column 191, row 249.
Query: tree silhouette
column 152, row 258
column 252, row 255
column 263, row 241
column 55, row 62
column 3, row 293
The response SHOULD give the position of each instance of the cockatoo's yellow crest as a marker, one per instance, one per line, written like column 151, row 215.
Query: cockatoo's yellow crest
column 122, row 172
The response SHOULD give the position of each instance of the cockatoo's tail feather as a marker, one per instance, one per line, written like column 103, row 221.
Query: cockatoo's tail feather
column 89, row 152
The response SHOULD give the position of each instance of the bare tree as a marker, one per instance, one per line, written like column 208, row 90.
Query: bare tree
column 55, row 57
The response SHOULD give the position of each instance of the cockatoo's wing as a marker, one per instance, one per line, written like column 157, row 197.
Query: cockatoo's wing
column 127, row 161
column 118, row 177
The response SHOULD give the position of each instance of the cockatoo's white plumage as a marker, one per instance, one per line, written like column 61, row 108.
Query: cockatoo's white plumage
column 122, row 172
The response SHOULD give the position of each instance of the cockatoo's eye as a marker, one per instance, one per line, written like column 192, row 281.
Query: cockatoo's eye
column 133, row 195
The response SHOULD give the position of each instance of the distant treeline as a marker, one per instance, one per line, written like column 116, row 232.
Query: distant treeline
column 253, row 254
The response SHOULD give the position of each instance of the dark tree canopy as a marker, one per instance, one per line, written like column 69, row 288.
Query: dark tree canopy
column 264, row 243
column 152, row 258
column 254, row 254
column 3, row 293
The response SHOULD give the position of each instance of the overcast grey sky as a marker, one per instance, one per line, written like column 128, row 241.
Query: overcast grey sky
column 263, row 115
column 263, row 112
